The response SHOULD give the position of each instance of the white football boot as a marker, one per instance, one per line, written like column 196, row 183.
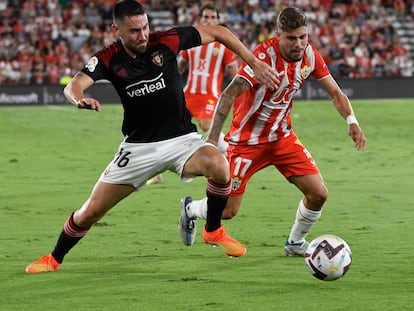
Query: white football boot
column 296, row 249
column 187, row 226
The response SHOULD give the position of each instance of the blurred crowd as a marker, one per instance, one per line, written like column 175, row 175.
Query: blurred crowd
column 47, row 41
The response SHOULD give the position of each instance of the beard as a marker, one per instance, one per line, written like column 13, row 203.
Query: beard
column 135, row 48
column 296, row 55
column 138, row 49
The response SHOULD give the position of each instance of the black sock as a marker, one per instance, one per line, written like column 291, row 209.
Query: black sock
column 70, row 235
column 63, row 246
column 217, row 196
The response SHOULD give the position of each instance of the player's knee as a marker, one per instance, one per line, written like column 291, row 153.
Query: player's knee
column 219, row 169
column 229, row 213
column 232, row 207
column 317, row 199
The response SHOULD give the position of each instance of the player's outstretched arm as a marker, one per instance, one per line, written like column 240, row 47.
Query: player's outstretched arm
column 344, row 107
column 236, row 87
column 74, row 92
column 263, row 73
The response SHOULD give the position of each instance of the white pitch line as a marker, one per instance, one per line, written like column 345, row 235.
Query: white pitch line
column 61, row 108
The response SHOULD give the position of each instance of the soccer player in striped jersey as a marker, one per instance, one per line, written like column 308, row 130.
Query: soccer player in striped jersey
column 207, row 65
column 261, row 133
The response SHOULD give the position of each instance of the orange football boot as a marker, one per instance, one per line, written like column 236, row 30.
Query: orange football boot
column 219, row 237
column 44, row 264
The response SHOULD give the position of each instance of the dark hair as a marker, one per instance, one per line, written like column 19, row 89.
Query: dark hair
column 290, row 19
column 124, row 8
column 208, row 6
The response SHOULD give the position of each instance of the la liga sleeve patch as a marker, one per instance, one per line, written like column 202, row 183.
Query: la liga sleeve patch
column 92, row 63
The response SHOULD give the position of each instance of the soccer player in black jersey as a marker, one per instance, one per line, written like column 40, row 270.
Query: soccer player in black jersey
column 157, row 128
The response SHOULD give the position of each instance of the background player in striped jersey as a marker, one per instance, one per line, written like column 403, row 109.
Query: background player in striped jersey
column 207, row 64
column 157, row 128
column 261, row 131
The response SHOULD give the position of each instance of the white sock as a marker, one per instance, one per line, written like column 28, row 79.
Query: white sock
column 305, row 220
column 198, row 208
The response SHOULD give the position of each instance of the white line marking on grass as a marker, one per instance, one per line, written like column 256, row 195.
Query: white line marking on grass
column 61, row 108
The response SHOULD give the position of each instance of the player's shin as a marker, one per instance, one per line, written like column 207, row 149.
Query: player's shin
column 304, row 221
column 68, row 238
column 217, row 196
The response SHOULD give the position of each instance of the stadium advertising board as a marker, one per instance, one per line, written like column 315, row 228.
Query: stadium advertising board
column 104, row 92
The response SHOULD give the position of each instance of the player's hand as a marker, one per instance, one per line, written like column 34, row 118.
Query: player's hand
column 264, row 74
column 357, row 136
column 88, row 103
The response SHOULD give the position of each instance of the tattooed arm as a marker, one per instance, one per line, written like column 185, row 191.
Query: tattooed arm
column 236, row 87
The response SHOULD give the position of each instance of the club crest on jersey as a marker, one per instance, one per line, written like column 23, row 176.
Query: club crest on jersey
column 91, row 65
column 157, row 58
column 305, row 71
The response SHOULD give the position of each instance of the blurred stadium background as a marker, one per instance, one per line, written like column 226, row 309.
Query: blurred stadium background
column 44, row 42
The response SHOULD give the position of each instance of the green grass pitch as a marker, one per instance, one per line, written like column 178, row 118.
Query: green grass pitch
column 133, row 259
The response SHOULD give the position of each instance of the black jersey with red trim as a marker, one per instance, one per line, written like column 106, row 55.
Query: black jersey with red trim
column 149, row 86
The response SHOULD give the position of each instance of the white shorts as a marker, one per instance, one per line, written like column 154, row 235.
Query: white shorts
column 135, row 163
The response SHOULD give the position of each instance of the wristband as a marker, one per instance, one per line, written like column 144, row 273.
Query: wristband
column 351, row 120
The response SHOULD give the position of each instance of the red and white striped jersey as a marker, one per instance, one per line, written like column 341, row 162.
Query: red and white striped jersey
column 206, row 67
column 261, row 115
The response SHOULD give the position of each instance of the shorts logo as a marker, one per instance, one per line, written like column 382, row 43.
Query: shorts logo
column 236, row 183
column 210, row 106
column 157, row 58
column 91, row 65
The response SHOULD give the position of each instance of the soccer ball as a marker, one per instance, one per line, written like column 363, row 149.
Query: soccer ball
column 328, row 257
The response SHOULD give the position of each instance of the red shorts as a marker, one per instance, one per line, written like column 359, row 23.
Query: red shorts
column 288, row 155
column 201, row 106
